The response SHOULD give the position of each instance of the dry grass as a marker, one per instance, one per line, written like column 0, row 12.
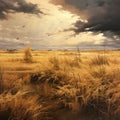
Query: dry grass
column 100, row 60
column 28, row 55
column 19, row 107
column 60, row 85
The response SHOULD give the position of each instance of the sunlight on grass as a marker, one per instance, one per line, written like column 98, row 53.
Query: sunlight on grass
column 59, row 83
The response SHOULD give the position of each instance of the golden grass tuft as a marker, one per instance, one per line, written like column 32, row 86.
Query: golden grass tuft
column 100, row 60
column 28, row 55
column 19, row 107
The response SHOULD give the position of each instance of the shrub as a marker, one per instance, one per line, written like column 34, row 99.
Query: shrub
column 28, row 55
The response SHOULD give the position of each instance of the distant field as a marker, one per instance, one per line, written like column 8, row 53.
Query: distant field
column 59, row 85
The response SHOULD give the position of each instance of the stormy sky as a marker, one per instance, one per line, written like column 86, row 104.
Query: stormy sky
column 56, row 24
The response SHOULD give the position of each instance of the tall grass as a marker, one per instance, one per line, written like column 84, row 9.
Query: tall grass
column 66, row 84
column 28, row 55
column 100, row 60
column 1, row 79
column 18, row 107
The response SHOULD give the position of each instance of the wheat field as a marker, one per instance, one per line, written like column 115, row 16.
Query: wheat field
column 59, row 85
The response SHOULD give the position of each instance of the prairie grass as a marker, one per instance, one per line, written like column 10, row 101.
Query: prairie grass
column 59, row 84
column 28, row 55
column 17, row 107
column 100, row 60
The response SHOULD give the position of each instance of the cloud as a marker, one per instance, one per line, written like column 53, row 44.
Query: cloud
column 102, row 15
column 12, row 6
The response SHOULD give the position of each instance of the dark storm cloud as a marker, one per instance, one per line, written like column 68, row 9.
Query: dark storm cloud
column 102, row 15
column 11, row 6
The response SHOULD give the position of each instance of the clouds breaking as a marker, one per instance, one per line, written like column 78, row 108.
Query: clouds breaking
column 102, row 15
column 12, row 6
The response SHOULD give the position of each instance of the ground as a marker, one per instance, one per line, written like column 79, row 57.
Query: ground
column 59, row 85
